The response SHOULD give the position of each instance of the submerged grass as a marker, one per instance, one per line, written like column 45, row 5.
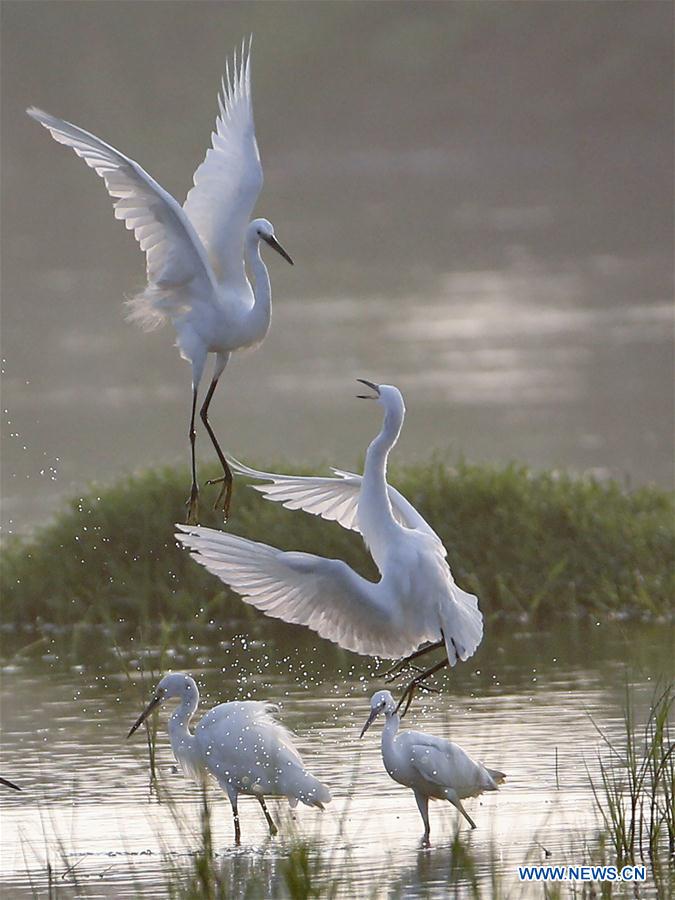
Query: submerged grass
column 525, row 542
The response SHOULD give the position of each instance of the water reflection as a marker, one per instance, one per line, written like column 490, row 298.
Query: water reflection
column 523, row 705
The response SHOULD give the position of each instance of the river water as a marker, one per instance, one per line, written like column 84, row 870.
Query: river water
column 478, row 198
column 526, row 704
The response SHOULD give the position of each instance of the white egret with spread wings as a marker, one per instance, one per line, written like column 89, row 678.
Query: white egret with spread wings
column 196, row 254
column 415, row 607
column 240, row 744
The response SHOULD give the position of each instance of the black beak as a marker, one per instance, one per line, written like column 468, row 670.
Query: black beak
column 373, row 712
column 274, row 243
column 369, row 384
column 156, row 700
column 10, row 784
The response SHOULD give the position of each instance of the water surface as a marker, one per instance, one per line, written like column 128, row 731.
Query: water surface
column 524, row 704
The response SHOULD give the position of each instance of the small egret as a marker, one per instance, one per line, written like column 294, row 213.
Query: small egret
column 9, row 784
column 416, row 600
column 241, row 744
column 195, row 253
column 434, row 768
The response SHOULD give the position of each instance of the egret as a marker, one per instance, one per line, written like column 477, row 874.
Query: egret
column 240, row 744
column 416, row 601
column 195, row 265
column 9, row 784
column 433, row 767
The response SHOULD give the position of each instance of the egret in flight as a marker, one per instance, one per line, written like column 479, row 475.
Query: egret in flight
column 240, row 744
column 416, row 601
column 434, row 768
column 196, row 254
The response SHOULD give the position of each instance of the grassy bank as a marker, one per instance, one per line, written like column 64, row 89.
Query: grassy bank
column 526, row 543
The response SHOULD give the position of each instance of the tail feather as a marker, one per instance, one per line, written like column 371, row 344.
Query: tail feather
column 497, row 777
column 462, row 624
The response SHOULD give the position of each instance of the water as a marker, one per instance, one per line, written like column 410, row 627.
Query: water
column 523, row 704
column 476, row 210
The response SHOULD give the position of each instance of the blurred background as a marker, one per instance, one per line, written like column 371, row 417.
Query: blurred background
column 477, row 196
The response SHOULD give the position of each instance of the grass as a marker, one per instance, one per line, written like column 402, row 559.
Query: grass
column 634, row 792
column 527, row 543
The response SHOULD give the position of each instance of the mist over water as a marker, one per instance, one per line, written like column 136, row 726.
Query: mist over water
column 477, row 197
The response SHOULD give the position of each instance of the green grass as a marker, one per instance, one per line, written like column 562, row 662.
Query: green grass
column 526, row 543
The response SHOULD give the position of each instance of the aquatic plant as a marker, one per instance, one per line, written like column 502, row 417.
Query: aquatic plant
column 527, row 543
column 636, row 784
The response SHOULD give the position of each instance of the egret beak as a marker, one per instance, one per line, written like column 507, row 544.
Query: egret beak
column 369, row 384
column 156, row 700
column 373, row 713
column 274, row 243
column 10, row 784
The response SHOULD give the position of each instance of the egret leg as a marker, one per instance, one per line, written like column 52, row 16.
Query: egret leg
column 423, row 806
column 235, row 815
column 225, row 495
column 457, row 803
column 193, row 501
column 270, row 821
column 417, row 682
column 405, row 663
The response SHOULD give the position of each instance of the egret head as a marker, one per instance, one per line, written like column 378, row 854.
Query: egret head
column 176, row 684
column 381, row 702
column 388, row 396
column 263, row 230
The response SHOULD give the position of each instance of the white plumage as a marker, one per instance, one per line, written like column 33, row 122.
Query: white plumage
column 416, row 599
column 240, row 744
column 195, row 254
column 432, row 767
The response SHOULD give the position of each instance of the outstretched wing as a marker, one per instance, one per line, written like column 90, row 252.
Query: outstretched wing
column 335, row 499
column 174, row 254
column 323, row 594
column 227, row 183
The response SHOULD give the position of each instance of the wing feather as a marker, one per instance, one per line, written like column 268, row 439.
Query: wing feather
column 229, row 180
column 335, row 499
column 326, row 595
column 174, row 254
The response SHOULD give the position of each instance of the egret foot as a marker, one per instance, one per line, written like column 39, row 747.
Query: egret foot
column 418, row 682
column 404, row 664
column 192, row 504
column 225, row 496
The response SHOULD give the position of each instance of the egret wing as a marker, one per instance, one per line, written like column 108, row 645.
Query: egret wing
column 323, row 594
column 446, row 765
column 174, row 254
column 335, row 499
column 227, row 183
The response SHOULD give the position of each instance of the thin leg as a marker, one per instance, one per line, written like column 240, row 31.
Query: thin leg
column 235, row 814
column 270, row 821
column 193, row 501
column 399, row 667
column 417, row 682
column 225, row 495
column 457, row 803
column 423, row 806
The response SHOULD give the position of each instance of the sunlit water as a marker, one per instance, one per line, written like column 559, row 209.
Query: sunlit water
column 475, row 211
column 525, row 704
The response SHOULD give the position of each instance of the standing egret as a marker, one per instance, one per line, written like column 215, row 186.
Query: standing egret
column 195, row 254
column 416, row 599
column 433, row 767
column 241, row 744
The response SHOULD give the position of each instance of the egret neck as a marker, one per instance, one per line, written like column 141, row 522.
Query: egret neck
column 376, row 519
column 183, row 742
column 259, row 317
